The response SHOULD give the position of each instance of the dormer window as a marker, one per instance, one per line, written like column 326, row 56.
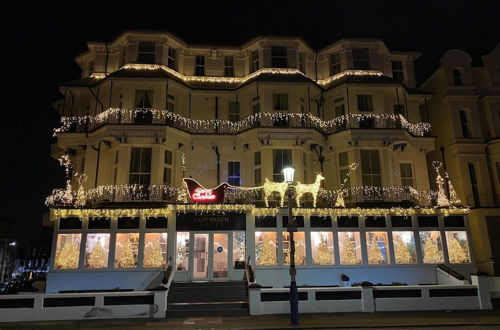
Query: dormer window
column 335, row 64
column 457, row 77
column 228, row 66
column 146, row 53
column 361, row 59
column 254, row 61
column 279, row 57
column 200, row 65
column 397, row 70
column 172, row 58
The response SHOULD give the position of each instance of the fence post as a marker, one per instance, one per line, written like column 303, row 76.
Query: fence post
column 367, row 297
column 483, row 290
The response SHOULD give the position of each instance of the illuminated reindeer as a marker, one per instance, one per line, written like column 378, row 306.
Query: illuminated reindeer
column 279, row 187
column 313, row 188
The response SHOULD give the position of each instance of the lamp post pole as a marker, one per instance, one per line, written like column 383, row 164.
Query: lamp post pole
column 292, row 227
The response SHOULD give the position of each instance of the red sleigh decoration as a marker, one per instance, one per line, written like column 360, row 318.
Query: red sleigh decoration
column 200, row 194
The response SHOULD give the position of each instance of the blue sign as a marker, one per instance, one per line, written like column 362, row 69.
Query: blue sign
column 220, row 249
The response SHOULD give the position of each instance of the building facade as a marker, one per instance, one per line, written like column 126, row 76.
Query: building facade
column 151, row 111
column 464, row 109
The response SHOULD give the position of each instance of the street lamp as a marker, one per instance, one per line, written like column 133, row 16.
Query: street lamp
column 288, row 173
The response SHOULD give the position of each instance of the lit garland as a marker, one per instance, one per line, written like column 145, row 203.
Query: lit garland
column 220, row 126
column 365, row 212
column 359, row 73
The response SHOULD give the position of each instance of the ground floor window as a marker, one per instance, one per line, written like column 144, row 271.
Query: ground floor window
column 377, row 247
column 300, row 247
column 97, row 251
column 126, row 250
column 266, row 248
column 155, row 250
column 239, row 250
column 432, row 247
column 322, row 247
column 404, row 247
column 350, row 248
column 458, row 247
column 67, row 251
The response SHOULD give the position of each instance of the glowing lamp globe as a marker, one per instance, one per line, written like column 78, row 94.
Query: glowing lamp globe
column 288, row 173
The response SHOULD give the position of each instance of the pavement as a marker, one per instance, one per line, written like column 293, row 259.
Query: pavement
column 380, row 320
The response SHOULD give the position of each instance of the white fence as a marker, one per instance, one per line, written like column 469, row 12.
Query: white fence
column 80, row 306
column 371, row 299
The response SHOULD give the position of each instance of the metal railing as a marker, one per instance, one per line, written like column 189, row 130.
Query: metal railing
column 139, row 116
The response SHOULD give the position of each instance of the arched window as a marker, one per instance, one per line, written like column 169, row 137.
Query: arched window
column 457, row 77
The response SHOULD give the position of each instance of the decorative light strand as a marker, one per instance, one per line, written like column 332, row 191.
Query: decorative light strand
column 219, row 126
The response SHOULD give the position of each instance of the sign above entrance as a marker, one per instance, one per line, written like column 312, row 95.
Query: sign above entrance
column 216, row 221
column 200, row 194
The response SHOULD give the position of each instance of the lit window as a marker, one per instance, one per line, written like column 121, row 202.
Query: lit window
column 126, row 250
column 300, row 247
column 322, row 247
column 404, row 247
column 350, row 248
column 155, row 250
column 239, row 250
column 432, row 247
column 182, row 251
column 378, row 249
column 266, row 248
column 67, row 251
column 97, row 251
column 458, row 247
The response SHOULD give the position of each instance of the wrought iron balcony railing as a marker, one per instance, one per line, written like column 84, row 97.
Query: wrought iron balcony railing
column 352, row 196
column 116, row 116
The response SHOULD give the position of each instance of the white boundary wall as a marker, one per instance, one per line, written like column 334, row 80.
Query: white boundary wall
column 80, row 306
column 372, row 299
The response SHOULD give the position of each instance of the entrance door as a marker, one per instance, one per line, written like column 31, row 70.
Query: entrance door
column 200, row 256
column 220, row 256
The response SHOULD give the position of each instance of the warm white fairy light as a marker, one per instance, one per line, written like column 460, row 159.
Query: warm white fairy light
column 329, row 80
column 313, row 189
column 340, row 195
column 219, row 126
column 365, row 212
column 271, row 187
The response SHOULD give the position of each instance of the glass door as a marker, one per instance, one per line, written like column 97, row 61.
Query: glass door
column 220, row 256
column 200, row 256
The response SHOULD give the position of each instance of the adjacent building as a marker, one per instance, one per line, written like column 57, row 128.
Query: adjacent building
column 150, row 111
column 465, row 115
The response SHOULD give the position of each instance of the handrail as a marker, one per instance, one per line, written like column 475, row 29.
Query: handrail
column 168, row 274
column 250, row 275
column 451, row 272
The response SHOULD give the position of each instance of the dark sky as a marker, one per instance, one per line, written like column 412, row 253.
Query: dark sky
column 40, row 42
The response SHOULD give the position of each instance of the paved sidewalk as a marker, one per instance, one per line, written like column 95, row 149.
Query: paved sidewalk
column 381, row 320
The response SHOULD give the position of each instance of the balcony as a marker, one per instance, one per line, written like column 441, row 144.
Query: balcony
column 157, row 195
column 116, row 116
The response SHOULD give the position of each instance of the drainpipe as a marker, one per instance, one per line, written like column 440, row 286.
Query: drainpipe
column 106, row 63
column 97, row 99
column 217, row 154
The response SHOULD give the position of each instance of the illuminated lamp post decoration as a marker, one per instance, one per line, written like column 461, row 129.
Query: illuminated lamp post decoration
column 288, row 173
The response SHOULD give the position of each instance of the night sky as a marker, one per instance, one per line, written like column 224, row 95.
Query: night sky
column 39, row 43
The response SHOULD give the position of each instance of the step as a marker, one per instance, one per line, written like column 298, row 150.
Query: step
column 207, row 309
column 208, row 312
